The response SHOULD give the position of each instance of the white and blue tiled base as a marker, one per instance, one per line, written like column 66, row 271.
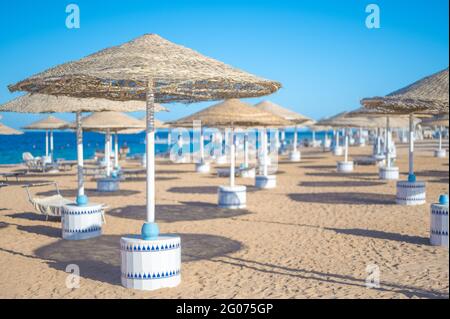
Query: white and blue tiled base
column 266, row 182
column 108, row 185
column 150, row 264
column 345, row 167
column 295, row 156
column 82, row 222
column 411, row 193
column 202, row 168
column 338, row 151
column 389, row 173
column 439, row 225
column 442, row 153
column 248, row 173
column 232, row 197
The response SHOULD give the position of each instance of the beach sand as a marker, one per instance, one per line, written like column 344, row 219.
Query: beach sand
column 311, row 237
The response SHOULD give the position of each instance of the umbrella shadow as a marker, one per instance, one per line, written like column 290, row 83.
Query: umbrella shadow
column 319, row 167
column 200, row 190
column 336, row 174
column 342, row 184
column 69, row 193
column 42, row 230
column 168, row 172
column 347, row 198
column 99, row 258
column 34, row 217
column 187, row 211
column 432, row 173
column 376, row 234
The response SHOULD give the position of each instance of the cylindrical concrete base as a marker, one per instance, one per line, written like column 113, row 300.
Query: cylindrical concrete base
column 411, row 193
column 439, row 225
column 345, row 167
column 108, row 185
column 389, row 173
column 362, row 142
column 338, row 151
column 266, row 182
column 248, row 173
column 81, row 222
column 232, row 197
column 150, row 264
column 202, row 168
column 295, row 156
column 442, row 153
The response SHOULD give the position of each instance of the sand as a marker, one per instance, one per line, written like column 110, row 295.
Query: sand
column 311, row 237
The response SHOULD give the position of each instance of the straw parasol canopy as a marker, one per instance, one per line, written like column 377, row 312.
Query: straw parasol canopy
column 344, row 120
column 428, row 95
column 395, row 120
column 42, row 103
column 112, row 121
column 123, row 73
column 282, row 112
column 232, row 113
column 49, row 123
column 437, row 120
column 5, row 130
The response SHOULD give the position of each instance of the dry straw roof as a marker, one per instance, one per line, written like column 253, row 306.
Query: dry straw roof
column 123, row 73
column 429, row 95
column 158, row 125
column 42, row 103
column 344, row 120
column 280, row 111
column 49, row 123
column 395, row 120
column 232, row 112
column 5, row 130
column 114, row 121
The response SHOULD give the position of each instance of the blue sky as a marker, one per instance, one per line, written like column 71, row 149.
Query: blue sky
column 320, row 50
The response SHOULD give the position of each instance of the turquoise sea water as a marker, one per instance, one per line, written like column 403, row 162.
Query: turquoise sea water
column 12, row 147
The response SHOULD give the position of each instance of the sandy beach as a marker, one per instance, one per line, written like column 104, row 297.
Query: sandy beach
column 311, row 237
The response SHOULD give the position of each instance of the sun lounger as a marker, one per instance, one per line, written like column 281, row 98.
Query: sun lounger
column 15, row 175
column 133, row 173
column 66, row 165
column 37, row 164
column 3, row 185
column 48, row 206
column 225, row 171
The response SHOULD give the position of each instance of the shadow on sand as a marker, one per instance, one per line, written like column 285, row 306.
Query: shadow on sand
column 99, row 258
column 71, row 193
column 342, row 184
column 348, row 198
column 187, row 211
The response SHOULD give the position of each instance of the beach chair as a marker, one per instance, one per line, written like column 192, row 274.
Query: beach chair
column 3, row 185
column 48, row 206
column 32, row 163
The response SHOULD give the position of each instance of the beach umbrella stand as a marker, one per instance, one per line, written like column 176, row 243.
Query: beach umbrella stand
column 264, row 180
column 361, row 139
column 222, row 159
column 439, row 222
column 388, row 172
column 295, row 154
column 345, row 166
column 202, row 167
column 440, row 152
column 337, row 148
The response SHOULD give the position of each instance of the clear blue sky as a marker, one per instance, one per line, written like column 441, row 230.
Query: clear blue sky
column 320, row 50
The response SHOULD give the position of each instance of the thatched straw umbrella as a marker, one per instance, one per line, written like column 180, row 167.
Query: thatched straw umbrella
column 42, row 103
column 440, row 121
column 235, row 114
column 5, row 130
column 342, row 120
column 109, row 122
column 50, row 123
column 295, row 118
column 149, row 69
column 426, row 96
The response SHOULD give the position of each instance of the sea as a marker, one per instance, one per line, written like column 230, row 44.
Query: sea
column 12, row 147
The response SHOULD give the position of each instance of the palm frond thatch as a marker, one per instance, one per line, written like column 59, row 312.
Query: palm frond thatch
column 49, row 123
column 287, row 114
column 5, row 130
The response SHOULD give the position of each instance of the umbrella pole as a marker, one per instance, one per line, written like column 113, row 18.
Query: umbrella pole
column 313, row 137
column 336, row 135
column 169, row 140
column 265, row 147
column 202, row 147
column 346, row 146
column 411, row 176
column 107, row 153
column 246, row 158
column 295, row 138
column 81, row 198
column 116, row 151
column 46, row 143
column 378, row 141
column 150, row 229
column 51, row 145
column 388, row 142
column 232, row 159
column 440, row 138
